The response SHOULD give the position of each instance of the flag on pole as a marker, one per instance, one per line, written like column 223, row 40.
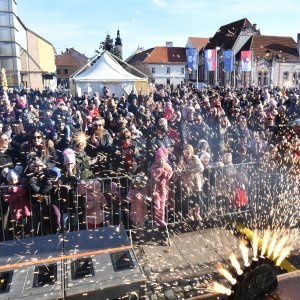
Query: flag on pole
column 246, row 57
column 228, row 60
column 210, row 60
column 191, row 58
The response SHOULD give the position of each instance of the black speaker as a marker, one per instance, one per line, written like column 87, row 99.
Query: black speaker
column 102, row 265
column 30, row 268
column 96, row 264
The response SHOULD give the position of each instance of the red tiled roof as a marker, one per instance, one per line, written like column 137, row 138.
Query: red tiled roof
column 197, row 42
column 70, row 58
column 267, row 46
column 160, row 55
column 140, row 57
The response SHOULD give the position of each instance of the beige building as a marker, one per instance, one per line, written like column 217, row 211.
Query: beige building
column 29, row 59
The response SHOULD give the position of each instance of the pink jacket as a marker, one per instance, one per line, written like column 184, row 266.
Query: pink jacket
column 161, row 176
column 18, row 202
column 138, row 207
column 94, row 208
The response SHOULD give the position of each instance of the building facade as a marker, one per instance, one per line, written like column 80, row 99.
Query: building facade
column 163, row 65
column 28, row 59
column 67, row 63
column 275, row 60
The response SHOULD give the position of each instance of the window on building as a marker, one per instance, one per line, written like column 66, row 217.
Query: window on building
column 168, row 81
column 296, row 76
column 153, row 70
column 263, row 78
column 182, row 70
column 58, row 71
column 259, row 78
column 66, row 71
column 266, row 80
column 168, row 71
column 285, row 75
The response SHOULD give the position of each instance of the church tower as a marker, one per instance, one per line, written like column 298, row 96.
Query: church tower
column 118, row 44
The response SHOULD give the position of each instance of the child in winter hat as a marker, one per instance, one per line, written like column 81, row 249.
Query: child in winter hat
column 16, row 195
column 69, row 156
column 69, row 162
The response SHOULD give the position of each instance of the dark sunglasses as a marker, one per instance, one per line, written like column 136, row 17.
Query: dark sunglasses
column 126, row 137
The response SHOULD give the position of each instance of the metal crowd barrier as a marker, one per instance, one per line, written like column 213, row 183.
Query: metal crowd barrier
column 106, row 201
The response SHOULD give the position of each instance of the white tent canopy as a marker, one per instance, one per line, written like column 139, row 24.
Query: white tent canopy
column 106, row 71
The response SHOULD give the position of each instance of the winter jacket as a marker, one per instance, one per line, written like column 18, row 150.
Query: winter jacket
column 39, row 184
column 192, row 174
column 17, row 199
column 138, row 205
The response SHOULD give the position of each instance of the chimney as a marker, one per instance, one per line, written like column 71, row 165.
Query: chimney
column 254, row 26
column 298, row 44
column 169, row 44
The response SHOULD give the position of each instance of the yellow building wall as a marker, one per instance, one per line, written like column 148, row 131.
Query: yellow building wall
column 143, row 86
column 46, row 56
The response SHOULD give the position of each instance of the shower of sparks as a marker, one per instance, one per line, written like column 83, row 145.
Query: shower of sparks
column 245, row 252
column 272, row 244
column 219, row 288
column 226, row 274
column 235, row 264
column 276, row 244
column 284, row 253
column 265, row 242
column 280, row 245
column 254, row 244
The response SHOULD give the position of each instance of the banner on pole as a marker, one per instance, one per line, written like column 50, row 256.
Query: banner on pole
column 228, row 60
column 246, row 57
column 191, row 58
column 210, row 60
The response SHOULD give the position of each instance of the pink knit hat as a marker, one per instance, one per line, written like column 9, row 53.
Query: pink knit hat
column 69, row 156
column 161, row 152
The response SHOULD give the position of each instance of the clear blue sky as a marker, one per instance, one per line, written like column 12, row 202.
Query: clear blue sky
column 83, row 24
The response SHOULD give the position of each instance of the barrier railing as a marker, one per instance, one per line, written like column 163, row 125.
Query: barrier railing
column 129, row 201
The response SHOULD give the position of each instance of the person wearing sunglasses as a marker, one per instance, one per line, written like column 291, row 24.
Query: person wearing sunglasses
column 37, row 146
column 125, row 155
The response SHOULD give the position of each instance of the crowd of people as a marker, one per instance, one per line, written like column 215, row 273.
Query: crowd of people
column 54, row 148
